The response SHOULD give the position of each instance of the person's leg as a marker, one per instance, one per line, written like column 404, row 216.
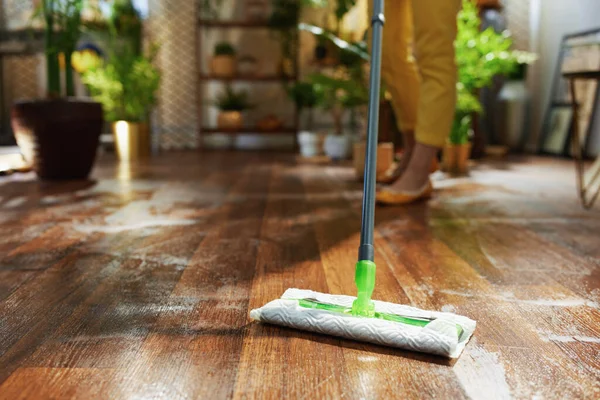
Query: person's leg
column 435, row 32
column 400, row 74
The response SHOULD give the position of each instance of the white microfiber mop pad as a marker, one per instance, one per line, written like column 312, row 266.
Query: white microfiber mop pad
column 438, row 337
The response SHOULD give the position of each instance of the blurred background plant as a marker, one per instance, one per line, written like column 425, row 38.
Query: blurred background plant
column 62, row 29
column 125, row 85
column 341, row 94
column 307, row 95
column 127, row 82
column 480, row 56
column 232, row 100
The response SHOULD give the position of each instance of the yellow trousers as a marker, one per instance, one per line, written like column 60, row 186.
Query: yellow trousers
column 418, row 66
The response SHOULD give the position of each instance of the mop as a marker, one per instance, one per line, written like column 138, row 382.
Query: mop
column 361, row 318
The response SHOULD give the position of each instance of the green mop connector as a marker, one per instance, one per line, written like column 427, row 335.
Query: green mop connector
column 365, row 283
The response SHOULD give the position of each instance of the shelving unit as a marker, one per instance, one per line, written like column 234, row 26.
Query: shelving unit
column 248, row 78
column 205, row 77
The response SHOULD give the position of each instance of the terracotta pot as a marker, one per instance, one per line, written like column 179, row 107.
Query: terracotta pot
column 230, row 120
column 455, row 158
column 132, row 140
column 223, row 66
column 385, row 158
column 489, row 4
column 269, row 123
column 59, row 138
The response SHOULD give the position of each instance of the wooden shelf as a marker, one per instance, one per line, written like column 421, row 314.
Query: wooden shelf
column 209, row 23
column 251, row 130
column 248, row 78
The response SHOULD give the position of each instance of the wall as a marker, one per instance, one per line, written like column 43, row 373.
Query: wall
column 552, row 19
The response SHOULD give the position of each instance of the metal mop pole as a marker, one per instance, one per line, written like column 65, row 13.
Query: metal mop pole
column 366, row 251
column 365, row 268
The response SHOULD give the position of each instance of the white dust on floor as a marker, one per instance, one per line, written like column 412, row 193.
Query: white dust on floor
column 481, row 374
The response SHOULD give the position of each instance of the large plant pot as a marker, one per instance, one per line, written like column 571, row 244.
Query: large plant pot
column 385, row 158
column 59, row 138
column 230, row 120
column 132, row 140
column 513, row 99
column 311, row 144
column 337, row 147
column 223, row 66
column 455, row 158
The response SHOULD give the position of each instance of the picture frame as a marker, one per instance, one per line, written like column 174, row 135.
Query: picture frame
column 578, row 52
column 559, row 129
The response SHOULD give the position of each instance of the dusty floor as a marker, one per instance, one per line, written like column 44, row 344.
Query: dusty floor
column 137, row 284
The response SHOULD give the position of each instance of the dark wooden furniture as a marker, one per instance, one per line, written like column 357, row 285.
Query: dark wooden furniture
column 588, row 182
column 138, row 284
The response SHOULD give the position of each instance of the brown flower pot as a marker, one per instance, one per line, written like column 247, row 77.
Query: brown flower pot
column 230, row 120
column 132, row 140
column 385, row 158
column 489, row 4
column 223, row 66
column 455, row 158
column 59, row 138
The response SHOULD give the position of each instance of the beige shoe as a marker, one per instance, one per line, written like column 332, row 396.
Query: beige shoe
column 393, row 198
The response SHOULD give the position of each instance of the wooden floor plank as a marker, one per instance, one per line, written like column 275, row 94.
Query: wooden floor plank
column 288, row 257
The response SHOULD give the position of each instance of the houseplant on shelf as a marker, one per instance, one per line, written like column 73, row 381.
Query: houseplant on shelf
column 231, row 104
column 482, row 55
column 59, row 135
column 223, row 63
column 307, row 95
column 126, row 85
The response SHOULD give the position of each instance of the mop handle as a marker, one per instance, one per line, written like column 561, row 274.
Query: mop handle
column 366, row 250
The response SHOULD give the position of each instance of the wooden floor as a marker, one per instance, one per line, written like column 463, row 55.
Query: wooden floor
column 138, row 284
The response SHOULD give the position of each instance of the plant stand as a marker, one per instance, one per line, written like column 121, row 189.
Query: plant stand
column 588, row 182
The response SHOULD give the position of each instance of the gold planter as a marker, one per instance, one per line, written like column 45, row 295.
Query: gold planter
column 132, row 140
column 230, row 120
column 455, row 158
column 385, row 158
column 223, row 66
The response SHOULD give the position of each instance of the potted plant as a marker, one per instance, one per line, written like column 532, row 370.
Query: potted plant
column 126, row 83
column 59, row 135
column 223, row 63
column 231, row 104
column 481, row 55
column 307, row 95
column 457, row 150
column 341, row 94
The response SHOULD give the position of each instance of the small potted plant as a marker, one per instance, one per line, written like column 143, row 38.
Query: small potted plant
column 341, row 94
column 59, row 135
column 456, row 152
column 223, row 63
column 231, row 105
column 307, row 95
column 126, row 84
